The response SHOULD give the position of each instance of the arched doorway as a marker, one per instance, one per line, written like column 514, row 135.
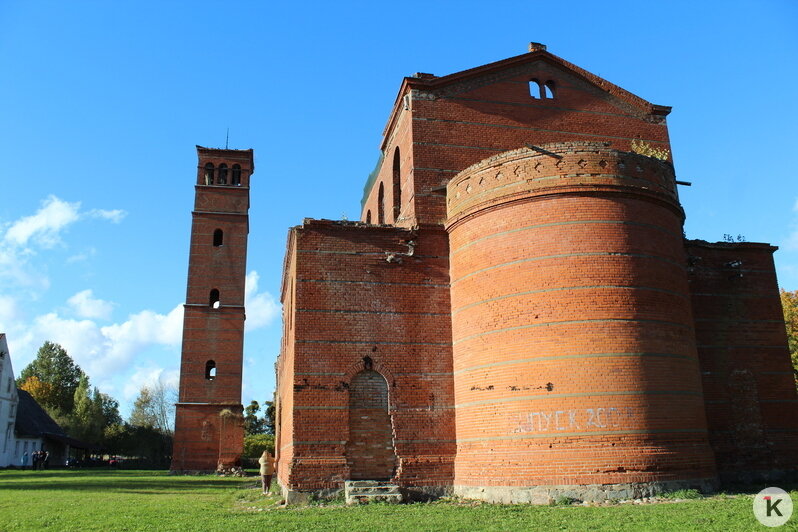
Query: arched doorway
column 369, row 452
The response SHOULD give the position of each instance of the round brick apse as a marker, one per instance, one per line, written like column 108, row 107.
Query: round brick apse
column 574, row 351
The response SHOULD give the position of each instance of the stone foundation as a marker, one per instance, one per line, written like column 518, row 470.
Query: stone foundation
column 586, row 493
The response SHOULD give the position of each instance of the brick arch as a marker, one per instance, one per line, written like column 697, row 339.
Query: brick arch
column 377, row 366
column 370, row 447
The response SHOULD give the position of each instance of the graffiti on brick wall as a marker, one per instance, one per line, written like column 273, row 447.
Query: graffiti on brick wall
column 583, row 419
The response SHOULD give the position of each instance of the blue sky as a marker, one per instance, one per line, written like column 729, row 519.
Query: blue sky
column 103, row 103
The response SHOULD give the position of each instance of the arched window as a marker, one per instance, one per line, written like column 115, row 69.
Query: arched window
column 222, row 174
column 218, row 238
column 535, row 89
column 210, row 370
column 368, row 216
column 397, row 186
column 236, row 178
column 213, row 300
column 381, row 205
column 209, row 174
column 548, row 89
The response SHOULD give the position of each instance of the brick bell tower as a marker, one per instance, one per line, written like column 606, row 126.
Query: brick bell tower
column 209, row 424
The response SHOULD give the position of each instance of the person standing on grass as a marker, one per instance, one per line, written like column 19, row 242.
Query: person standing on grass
column 46, row 459
column 266, row 462
column 24, row 460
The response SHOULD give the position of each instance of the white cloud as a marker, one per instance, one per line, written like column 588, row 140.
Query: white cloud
column 86, row 306
column 142, row 330
column 114, row 216
column 148, row 376
column 42, row 230
column 261, row 308
column 44, row 226
column 102, row 352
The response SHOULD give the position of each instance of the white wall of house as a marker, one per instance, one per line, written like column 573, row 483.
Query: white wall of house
column 8, row 408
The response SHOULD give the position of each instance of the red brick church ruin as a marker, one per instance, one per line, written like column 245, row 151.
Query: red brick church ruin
column 518, row 315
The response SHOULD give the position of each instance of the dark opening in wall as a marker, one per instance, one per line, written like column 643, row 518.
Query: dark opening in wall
column 209, row 174
column 236, row 178
column 368, row 216
column 214, row 301
column 222, row 174
column 534, row 88
column 381, row 205
column 210, row 370
column 218, row 238
column 397, row 185
column 548, row 90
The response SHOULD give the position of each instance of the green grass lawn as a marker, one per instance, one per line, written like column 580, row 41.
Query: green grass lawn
column 152, row 500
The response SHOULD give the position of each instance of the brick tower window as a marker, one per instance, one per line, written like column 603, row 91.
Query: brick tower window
column 236, row 177
column 214, row 301
column 397, row 185
column 210, row 370
column 209, row 174
column 381, row 205
column 218, row 238
column 548, row 90
column 368, row 216
column 222, row 174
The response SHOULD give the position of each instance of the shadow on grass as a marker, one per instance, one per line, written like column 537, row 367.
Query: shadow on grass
column 729, row 488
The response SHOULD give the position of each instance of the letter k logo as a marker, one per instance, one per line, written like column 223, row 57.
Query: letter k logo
column 772, row 506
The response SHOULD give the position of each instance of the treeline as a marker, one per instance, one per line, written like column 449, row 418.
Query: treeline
column 64, row 390
column 258, row 431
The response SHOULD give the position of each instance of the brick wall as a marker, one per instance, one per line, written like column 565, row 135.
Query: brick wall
column 752, row 406
column 369, row 449
column 574, row 353
column 458, row 120
column 363, row 301
column 529, row 310
column 208, row 423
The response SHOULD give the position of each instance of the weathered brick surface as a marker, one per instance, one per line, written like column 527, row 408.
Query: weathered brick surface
column 562, row 338
column 443, row 125
column 349, row 309
column 369, row 450
column 208, row 428
column 752, row 407
column 523, row 290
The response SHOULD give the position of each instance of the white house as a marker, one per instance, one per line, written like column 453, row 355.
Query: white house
column 8, row 408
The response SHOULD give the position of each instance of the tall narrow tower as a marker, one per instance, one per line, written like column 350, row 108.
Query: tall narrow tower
column 208, row 424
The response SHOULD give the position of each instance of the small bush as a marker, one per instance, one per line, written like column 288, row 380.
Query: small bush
column 562, row 500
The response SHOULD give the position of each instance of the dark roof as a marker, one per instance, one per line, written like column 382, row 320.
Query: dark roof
column 32, row 420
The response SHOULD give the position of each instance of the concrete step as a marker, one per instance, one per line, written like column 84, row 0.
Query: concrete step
column 365, row 491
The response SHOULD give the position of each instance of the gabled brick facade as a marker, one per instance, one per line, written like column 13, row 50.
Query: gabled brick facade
column 518, row 316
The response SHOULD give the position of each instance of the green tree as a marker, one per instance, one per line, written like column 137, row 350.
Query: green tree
column 56, row 368
column 789, row 304
column 142, row 414
column 110, row 410
column 87, row 416
column 252, row 423
column 268, row 417
column 259, row 425
column 255, row 444
column 154, row 407
column 147, row 446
